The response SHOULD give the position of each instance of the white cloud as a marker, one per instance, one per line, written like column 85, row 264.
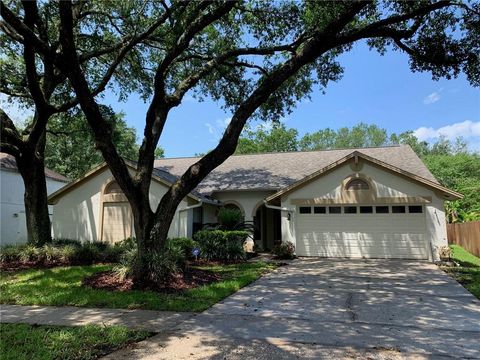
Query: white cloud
column 432, row 98
column 466, row 129
column 217, row 129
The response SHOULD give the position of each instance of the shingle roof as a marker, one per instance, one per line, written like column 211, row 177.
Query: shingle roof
column 274, row 171
column 7, row 161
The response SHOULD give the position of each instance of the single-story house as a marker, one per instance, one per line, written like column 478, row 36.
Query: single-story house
column 377, row 202
column 13, row 226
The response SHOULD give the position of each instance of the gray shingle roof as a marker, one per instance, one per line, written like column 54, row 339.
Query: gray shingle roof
column 7, row 161
column 274, row 171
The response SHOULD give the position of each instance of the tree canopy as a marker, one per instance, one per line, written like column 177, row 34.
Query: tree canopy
column 256, row 58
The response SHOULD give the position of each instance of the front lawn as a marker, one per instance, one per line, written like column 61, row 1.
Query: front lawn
column 63, row 286
column 468, row 273
column 22, row 341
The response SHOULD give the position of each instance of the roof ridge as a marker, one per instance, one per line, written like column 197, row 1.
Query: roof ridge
column 289, row 152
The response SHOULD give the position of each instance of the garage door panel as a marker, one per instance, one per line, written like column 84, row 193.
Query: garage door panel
column 362, row 235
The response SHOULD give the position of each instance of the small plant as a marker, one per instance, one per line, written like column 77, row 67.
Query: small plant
column 30, row 253
column 444, row 252
column 163, row 266
column 284, row 251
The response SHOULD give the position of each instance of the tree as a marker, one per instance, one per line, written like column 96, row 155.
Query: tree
column 256, row 58
column 70, row 144
column 30, row 76
column 361, row 135
column 276, row 138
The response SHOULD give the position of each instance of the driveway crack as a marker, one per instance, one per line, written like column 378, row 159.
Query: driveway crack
column 349, row 307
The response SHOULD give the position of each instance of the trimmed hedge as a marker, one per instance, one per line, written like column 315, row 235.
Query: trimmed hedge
column 221, row 245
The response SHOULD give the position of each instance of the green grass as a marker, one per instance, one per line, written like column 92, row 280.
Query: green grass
column 63, row 286
column 468, row 273
column 22, row 341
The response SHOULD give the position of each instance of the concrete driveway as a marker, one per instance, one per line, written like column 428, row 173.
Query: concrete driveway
column 324, row 308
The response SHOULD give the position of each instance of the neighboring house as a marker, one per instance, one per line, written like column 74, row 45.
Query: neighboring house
column 373, row 202
column 13, row 228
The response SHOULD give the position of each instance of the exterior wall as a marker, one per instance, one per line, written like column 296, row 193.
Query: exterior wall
column 249, row 201
column 13, row 228
column 387, row 186
column 78, row 213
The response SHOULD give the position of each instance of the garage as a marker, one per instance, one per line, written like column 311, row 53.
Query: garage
column 362, row 231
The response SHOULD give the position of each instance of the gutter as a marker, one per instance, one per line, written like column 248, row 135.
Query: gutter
column 200, row 203
column 289, row 211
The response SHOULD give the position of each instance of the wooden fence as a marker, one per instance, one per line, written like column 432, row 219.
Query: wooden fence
column 467, row 235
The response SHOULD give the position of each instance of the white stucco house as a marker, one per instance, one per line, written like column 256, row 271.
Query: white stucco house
column 13, row 228
column 372, row 202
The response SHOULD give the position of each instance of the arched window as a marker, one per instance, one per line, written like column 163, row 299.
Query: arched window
column 357, row 184
column 113, row 188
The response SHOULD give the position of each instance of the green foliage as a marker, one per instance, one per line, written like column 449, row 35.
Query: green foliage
column 63, row 287
column 221, row 245
column 229, row 218
column 70, row 147
column 284, row 251
column 24, row 341
column 468, row 273
column 62, row 252
column 185, row 244
column 277, row 138
column 459, row 172
column 163, row 266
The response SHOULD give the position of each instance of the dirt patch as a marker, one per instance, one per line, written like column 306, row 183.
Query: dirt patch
column 191, row 278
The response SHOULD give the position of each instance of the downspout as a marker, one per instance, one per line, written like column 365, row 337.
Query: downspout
column 277, row 207
column 185, row 209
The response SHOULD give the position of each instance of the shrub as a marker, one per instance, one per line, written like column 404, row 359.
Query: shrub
column 50, row 253
column 284, row 251
column 221, row 245
column 163, row 266
column 30, row 253
column 10, row 253
column 127, row 263
column 65, row 241
column 185, row 244
column 229, row 218
column 87, row 254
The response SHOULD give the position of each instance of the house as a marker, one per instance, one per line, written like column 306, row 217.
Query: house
column 13, row 228
column 373, row 202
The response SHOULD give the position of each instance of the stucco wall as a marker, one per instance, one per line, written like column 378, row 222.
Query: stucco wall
column 77, row 214
column 385, row 184
column 13, row 228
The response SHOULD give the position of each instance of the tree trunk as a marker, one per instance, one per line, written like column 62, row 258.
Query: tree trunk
column 142, row 219
column 32, row 170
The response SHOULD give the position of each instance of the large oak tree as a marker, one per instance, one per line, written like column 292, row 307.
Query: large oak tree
column 256, row 58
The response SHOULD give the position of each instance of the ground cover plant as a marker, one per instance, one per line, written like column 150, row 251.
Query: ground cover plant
column 24, row 341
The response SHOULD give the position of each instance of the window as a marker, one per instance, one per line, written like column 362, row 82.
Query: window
column 350, row 209
column 320, row 210
column 381, row 209
column 113, row 188
column 305, row 210
column 366, row 209
column 415, row 209
column 357, row 184
column 398, row 209
column 334, row 210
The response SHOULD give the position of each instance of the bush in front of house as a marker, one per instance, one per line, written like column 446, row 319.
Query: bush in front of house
column 221, row 245
column 284, row 251
column 59, row 252
column 229, row 218
column 185, row 244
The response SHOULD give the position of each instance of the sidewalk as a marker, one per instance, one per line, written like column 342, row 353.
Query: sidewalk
column 155, row 321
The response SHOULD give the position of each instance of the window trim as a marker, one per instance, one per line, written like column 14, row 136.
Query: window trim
column 359, row 180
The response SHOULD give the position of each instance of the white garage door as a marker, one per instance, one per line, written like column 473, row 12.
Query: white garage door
column 362, row 231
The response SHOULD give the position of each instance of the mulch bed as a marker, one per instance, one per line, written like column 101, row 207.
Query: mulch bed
column 191, row 278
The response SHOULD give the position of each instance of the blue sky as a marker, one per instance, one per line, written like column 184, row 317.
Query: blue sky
column 375, row 89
